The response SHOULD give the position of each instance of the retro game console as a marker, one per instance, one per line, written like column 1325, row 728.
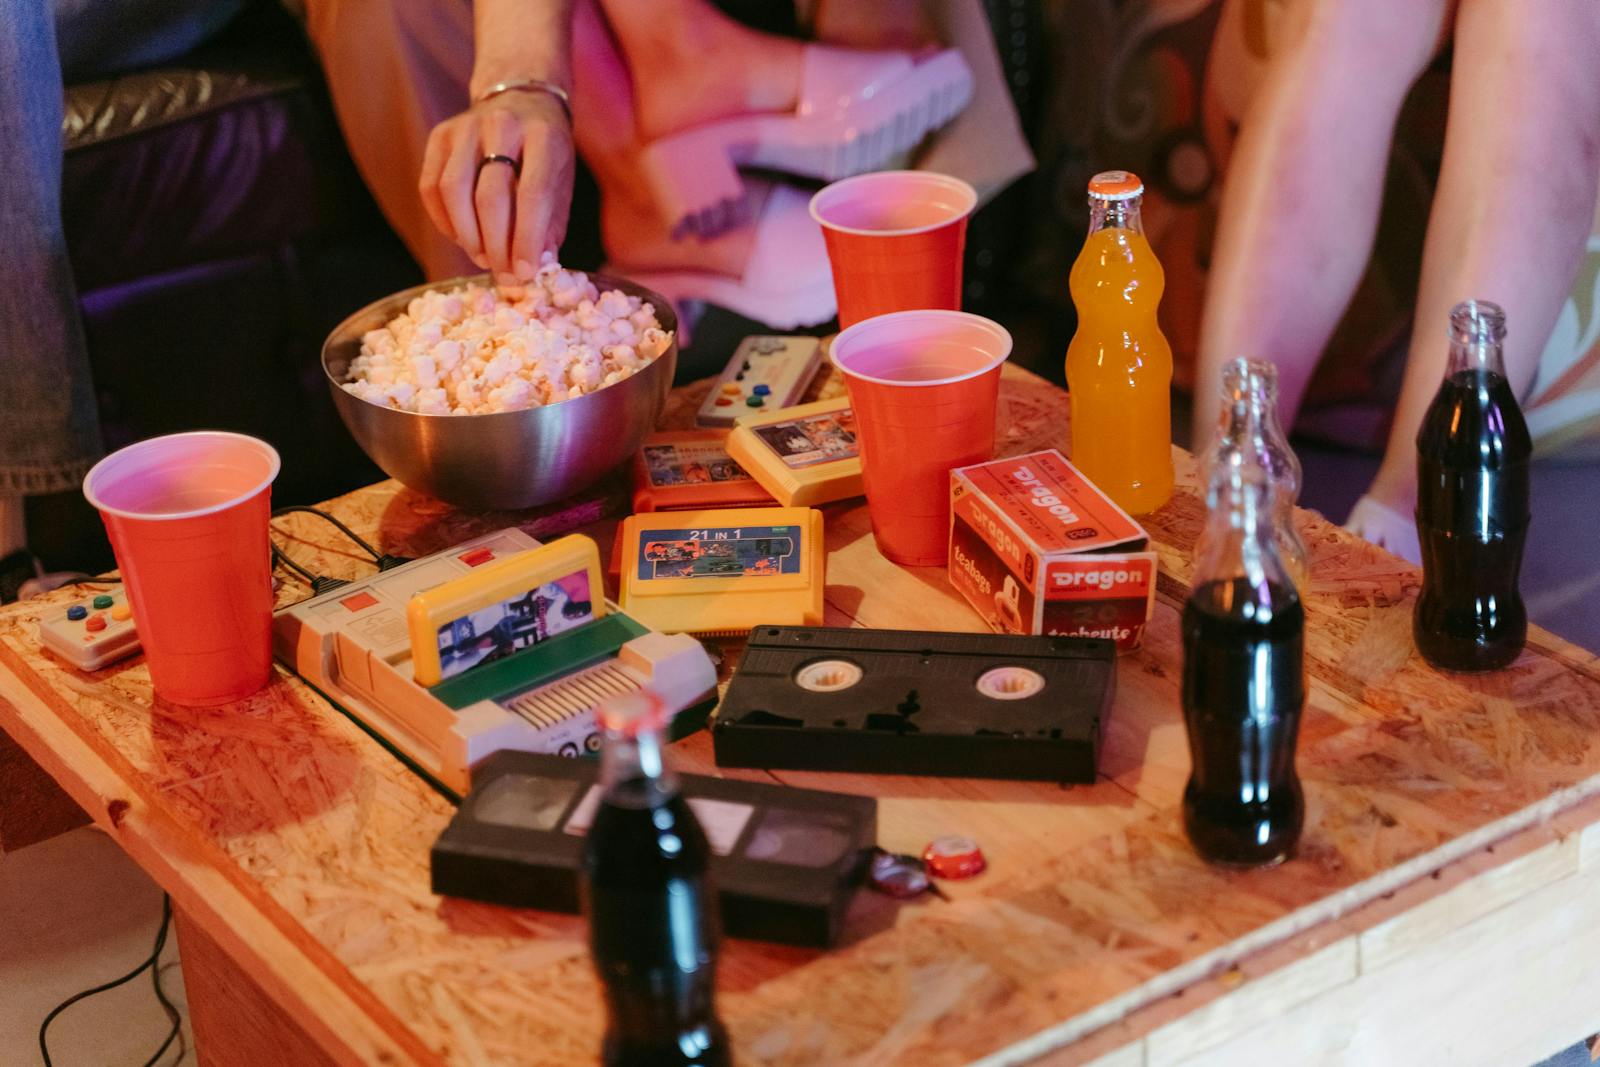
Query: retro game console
column 498, row 643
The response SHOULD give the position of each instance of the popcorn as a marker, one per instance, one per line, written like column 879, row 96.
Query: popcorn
column 476, row 349
column 585, row 370
column 619, row 357
column 433, row 402
column 425, row 371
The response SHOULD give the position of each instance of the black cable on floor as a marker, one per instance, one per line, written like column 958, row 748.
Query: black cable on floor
column 151, row 963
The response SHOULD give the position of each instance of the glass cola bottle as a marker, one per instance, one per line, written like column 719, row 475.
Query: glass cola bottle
column 1249, row 432
column 653, row 927
column 1472, row 503
column 1243, row 683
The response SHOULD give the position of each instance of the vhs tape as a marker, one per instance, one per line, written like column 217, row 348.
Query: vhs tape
column 785, row 861
column 911, row 702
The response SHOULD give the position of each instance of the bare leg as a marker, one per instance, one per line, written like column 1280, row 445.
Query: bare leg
column 1300, row 207
column 693, row 64
column 1515, row 200
column 881, row 24
column 632, row 229
column 395, row 69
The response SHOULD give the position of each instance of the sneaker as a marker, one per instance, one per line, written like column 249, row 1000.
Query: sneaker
column 1385, row 527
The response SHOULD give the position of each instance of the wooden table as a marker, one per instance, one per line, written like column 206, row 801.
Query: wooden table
column 1445, row 907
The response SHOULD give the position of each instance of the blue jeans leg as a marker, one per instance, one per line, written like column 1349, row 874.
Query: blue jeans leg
column 49, row 430
column 49, row 425
column 1576, row 1056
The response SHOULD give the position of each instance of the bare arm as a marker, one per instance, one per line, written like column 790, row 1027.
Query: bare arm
column 504, row 217
column 522, row 39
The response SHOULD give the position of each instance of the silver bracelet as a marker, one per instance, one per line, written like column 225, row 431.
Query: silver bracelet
column 529, row 85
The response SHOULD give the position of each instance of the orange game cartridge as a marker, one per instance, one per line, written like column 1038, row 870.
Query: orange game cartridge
column 723, row 572
column 686, row 470
column 803, row 456
column 1036, row 548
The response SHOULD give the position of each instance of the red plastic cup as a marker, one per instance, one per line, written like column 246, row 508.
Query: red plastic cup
column 187, row 516
column 895, row 240
column 924, row 386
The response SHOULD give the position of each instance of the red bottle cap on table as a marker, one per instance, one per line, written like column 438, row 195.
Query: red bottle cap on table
column 954, row 857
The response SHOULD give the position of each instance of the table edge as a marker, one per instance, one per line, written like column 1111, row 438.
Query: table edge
column 345, row 1017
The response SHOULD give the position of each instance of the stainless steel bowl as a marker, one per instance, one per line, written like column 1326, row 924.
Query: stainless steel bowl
column 512, row 459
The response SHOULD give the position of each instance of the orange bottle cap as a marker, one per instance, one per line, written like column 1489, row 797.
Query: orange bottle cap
column 1115, row 185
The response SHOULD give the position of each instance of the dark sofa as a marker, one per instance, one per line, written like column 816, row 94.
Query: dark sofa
column 218, row 231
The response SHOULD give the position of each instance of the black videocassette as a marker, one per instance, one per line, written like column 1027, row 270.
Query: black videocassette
column 785, row 862
column 910, row 702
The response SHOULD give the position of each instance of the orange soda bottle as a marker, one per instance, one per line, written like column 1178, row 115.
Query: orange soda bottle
column 1119, row 365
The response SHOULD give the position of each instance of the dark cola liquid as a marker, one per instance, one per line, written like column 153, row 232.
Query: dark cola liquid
column 1243, row 688
column 653, row 931
column 1472, row 521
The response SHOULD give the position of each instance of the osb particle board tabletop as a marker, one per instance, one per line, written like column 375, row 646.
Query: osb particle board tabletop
column 301, row 845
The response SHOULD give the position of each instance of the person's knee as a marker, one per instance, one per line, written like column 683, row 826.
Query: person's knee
column 1379, row 42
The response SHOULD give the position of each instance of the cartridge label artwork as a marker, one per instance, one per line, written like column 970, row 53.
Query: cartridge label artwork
column 721, row 552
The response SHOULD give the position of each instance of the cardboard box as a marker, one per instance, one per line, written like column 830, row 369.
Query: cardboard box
column 1036, row 548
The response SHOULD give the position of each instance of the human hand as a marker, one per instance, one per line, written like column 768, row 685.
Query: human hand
column 504, row 217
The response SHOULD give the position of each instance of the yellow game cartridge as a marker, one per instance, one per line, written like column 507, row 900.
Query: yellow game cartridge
column 723, row 572
column 803, row 456
column 497, row 609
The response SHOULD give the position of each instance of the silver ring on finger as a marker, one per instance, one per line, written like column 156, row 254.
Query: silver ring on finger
column 510, row 161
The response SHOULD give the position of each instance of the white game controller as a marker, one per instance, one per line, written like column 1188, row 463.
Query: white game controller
column 765, row 373
column 93, row 631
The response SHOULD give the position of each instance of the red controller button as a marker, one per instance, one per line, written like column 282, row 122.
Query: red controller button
column 477, row 557
column 359, row 602
column 95, row 623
